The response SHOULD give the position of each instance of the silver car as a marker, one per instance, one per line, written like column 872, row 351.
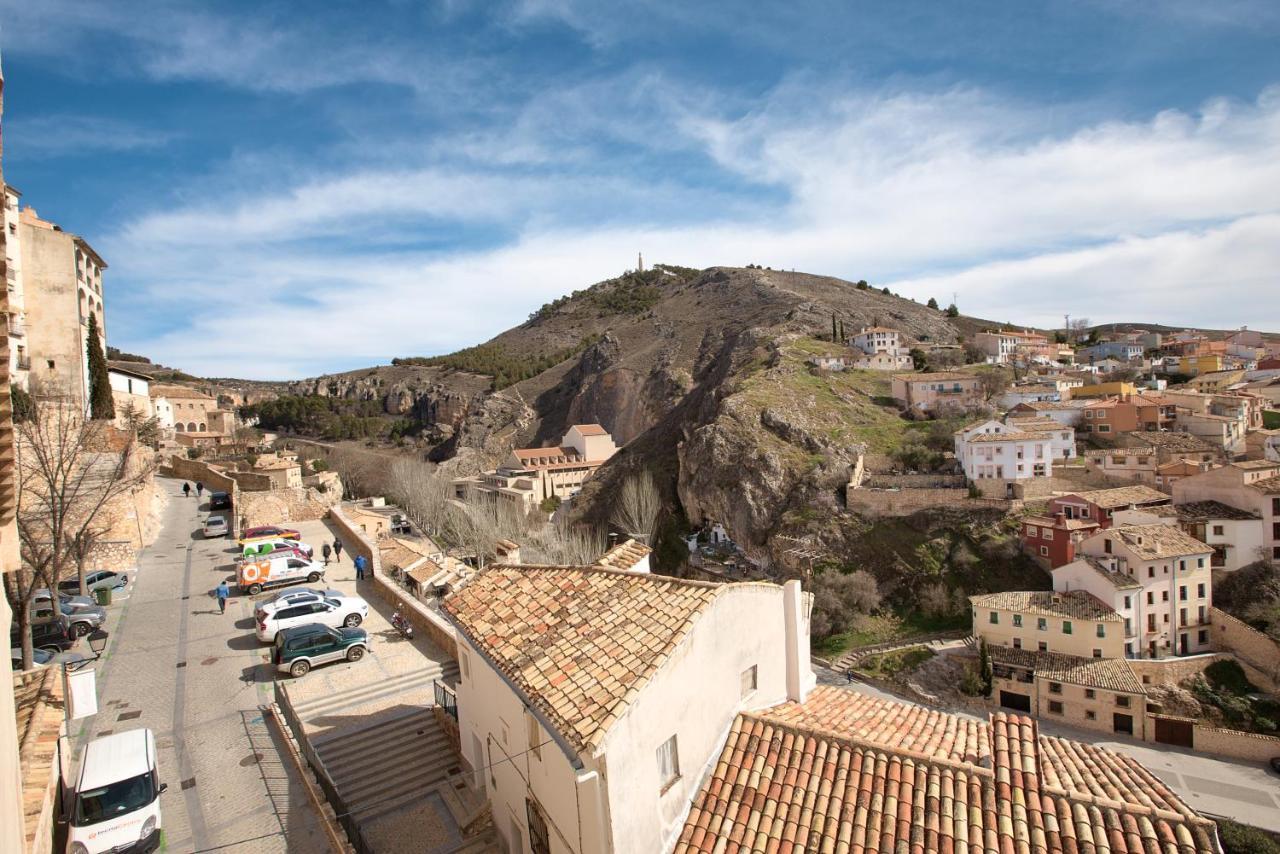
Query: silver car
column 82, row 616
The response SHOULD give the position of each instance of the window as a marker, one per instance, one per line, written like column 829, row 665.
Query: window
column 1090, row 715
column 533, row 733
column 1089, row 693
column 52, row 364
column 1151, row 598
column 1055, row 706
column 1104, row 428
column 668, row 763
column 1102, row 630
column 748, row 681
column 1097, row 653
column 1017, row 643
column 1151, row 572
column 539, row 838
column 1017, row 621
column 1055, row 687
column 1043, row 646
column 1031, row 530
column 1203, row 636
column 1200, row 591
column 1122, row 701
column 1066, row 627
column 1182, row 565
column 995, row 618
column 1164, row 595
column 1182, row 593
column 1044, row 551
column 1127, row 603
column 1042, row 624
column 1048, row 533
column 1218, row 530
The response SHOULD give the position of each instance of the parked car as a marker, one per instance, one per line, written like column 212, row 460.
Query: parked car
column 253, row 576
column 261, row 548
column 52, row 635
column 300, row 648
column 287, row 598
column 117, row 796
column 95, row 580
column 219, row 501
column 80, row 613
column 348, row 611
column 267, row 532
column 39, row 658
column 66, row 599
column 215, row 526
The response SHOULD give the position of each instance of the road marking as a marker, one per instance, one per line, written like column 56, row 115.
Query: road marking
column 195, row 810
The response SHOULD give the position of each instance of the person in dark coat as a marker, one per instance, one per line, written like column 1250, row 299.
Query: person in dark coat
column 199, row 489
column 186, row 490
column 326, row 551
column 337, row 550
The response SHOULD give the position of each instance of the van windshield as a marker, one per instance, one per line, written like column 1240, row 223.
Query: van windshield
column 114, row 799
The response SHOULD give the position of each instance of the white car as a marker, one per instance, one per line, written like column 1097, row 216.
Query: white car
column 289, row 598
column 117, row 796
column 215, row 526
column 334, row 612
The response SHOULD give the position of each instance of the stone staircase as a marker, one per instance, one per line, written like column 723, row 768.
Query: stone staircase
column 393, row 763
column 416, row 685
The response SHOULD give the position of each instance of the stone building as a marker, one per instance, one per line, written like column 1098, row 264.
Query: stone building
column 62, row 286
column 532, row 475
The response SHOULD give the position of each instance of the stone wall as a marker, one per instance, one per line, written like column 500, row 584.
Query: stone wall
column 250, row 480
column 914, row 481
column 195, row 470
column 1257, row 651
column 1232, row 743
column 423, row 618
column 116, row 555
column 904, row 502
column 273, row 506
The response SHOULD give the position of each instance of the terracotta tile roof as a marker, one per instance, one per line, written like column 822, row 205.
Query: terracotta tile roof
column 787, row 787
column 1109, row 674
column 870, row 329
column 1122, row 496
column 1074, row 766
column 1063, row 524
column 916, row 729
column 624, row 555
column 1253, row 465
column 1047, row 405
column 1036, row 424
column 1118, row 579
column 1271, row 484
column 591, row 429
column 1206, row 510
column 1184, row 442
column 1155, row 542
column 1071, row 604
column 578, row 641
column 1008, row 437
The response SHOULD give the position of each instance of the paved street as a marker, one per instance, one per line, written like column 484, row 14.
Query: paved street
column 197, row 678
column 1244, row 791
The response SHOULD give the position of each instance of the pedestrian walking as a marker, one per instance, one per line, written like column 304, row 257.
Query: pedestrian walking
column 199, row 489
column 359, row 567
column 326, row 551
column 337, row 550
column 186, row 490
column 222, row 593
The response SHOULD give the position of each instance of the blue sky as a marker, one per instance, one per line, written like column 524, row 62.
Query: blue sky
column 285, row 189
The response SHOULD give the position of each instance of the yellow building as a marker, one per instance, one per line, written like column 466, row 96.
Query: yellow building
column 1100, row 694
column 1068, row 622
column 1215, row 381
column 1118, row 389
column 1201, row 364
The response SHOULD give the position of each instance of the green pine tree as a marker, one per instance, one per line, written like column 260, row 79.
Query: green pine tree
column 101, row 406
column 833, row 328
column 984, row 667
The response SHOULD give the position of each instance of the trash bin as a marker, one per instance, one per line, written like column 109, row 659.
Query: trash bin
column 103, row 595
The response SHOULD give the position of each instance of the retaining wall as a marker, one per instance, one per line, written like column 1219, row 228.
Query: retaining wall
column 1259, row 651
column 293, row 504
column 904, row 502
column 1232, row 743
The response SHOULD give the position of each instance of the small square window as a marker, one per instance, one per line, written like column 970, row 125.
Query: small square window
column 1066, row 627
column 1097, row 653
column 994, row 618
column 1055, row 687
column 1017, row 643
column 1055, row 707
column 1090, row 715
column 1043, row 646
column 748, row 681
column 1042, row 624
column 1122, row 701
column 1017, row 621
column 1089, row 693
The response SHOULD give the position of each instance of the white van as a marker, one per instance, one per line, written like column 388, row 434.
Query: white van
column 117, row 799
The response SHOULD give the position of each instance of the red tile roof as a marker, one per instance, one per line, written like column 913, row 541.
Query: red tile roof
column 591, row 430
column 785, row 782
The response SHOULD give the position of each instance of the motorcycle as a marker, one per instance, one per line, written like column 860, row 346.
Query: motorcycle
column 403, row 626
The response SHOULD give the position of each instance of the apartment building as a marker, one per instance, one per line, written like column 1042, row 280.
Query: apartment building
column 845, row 772
column 62, row 286
column 1121, row 351
column 1101, row 694
column 130, row 390
column 1068, row 413
column 991, row 450
column 1252, row 486
column 1004, row 346
column 882, row 349
column 532, row 475
column 591, row 700
column 1235, row 535
column 1072, row 622
column 19, row 354
column 937, row 391
column 1107, row 416
column 1221, row 431
column 1171, row 616
column 1053, row 539
column 1062, row 436
column 1138, row 465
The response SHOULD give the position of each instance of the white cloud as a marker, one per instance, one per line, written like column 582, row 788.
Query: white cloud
column 1173, row 219
column 63, row 135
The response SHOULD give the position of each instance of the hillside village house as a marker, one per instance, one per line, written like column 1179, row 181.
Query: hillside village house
column 1172, row 446
column 1202, row 363
column 1171, row 617
column 1101, row 505
column 591, row 700
column 1030, row 393
column 1221, row 431
column 1068, row 413
column 1004, row 346
column 1121, row 351
column 991, row 450
column 130, row 391
column 532, row 475
column 1168, row 474
column 937, row 391
column 62, row 287
column 1105, row 389
column 1252, row 486
column 1072, row 623
column 1234, row 535
column 1052, row 540
column 1262, row 445
column 1062, row 437
column 882, row 349
column 191, row 408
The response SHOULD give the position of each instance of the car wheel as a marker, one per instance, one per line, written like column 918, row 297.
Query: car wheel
column 313, row 577
column 255, row 589
column 355, row 653
column 352, row 621
column 300, row 669
column 79, row 630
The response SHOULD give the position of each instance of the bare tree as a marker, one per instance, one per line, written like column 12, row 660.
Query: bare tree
column 362, row 472
column 1077, row 329
column 422, row 492
column 70, row 468
column 563, row 544
column 639, row 503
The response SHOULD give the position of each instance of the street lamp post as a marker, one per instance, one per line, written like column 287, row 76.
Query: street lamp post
column 70, row 663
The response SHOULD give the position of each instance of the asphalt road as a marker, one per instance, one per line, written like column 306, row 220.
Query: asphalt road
column 196, row 678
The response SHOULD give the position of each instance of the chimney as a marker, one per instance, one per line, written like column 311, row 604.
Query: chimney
column 1059, row 519
column 613, row 539
column 800, row 678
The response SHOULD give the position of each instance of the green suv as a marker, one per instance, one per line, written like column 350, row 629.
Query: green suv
column 300, row 648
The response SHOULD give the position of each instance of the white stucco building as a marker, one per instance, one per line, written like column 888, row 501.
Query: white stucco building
column 592, row 701
column 994, row 450
column 882, row 349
